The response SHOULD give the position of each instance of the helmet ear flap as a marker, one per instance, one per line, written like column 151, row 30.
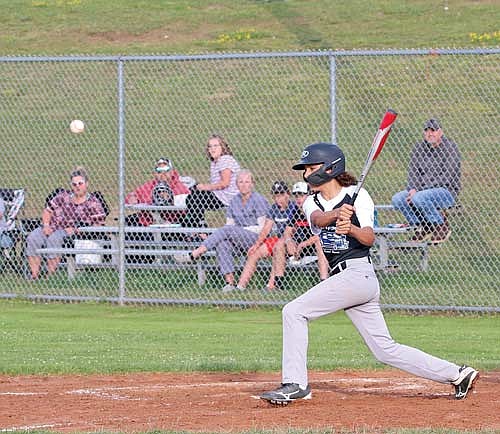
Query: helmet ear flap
column 319, row 177
column 326, row 172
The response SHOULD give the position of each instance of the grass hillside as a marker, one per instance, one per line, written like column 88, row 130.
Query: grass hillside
column 181, row 26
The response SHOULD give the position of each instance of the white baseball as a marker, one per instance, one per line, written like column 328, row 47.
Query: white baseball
column 77, row 126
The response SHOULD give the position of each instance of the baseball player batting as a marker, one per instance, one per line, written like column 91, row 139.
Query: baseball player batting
column 346, row 234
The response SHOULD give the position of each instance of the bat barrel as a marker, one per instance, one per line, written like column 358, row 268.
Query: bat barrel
column 377, row 145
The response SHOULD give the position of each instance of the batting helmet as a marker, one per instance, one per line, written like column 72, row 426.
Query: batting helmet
column 330, row 156
column 162, row 194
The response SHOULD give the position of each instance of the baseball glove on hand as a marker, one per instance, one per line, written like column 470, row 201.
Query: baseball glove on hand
column 162, row 195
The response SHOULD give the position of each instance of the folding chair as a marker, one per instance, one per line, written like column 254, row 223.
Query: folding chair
column 12, row 231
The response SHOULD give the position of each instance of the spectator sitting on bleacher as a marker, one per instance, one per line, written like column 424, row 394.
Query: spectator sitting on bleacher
column 433, row 184
column 6, row 242
column 278, row 218
column 165, row 188
column 62, row 216
column 297, row 241
column 216, row 194
column 245, row 218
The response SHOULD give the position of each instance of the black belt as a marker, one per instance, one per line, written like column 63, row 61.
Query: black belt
column 341, row 266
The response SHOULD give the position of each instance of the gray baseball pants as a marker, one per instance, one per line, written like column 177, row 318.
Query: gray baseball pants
column 356, row 290
column 226, row 241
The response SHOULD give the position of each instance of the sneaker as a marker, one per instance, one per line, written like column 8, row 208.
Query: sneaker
column 194, row 238
column 305, row 260
column 184, row 258
column 441, row 233
column 294, row 262
column 422, row 233
column 274, row 289
column 228, row 288
column 286, row 393
column 467, row 376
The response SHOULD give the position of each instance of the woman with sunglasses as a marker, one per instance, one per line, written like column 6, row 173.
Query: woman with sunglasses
column 63, row 214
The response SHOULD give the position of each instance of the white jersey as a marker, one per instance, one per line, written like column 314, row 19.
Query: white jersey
column 364, row 206
column 340, row 247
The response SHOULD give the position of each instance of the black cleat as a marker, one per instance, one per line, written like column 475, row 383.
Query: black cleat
column 467, row 376
column 286, row 393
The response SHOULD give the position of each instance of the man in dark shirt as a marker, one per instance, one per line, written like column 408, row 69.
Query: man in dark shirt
column 433, row 184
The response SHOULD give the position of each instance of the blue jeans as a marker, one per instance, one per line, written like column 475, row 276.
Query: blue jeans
column 424, row 206
column 6, row 242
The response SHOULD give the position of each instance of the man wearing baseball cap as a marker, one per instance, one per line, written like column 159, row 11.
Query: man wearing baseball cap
column 433, row 184
column 165, row 179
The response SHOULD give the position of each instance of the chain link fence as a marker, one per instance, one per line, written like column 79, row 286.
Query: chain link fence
column 267, row 106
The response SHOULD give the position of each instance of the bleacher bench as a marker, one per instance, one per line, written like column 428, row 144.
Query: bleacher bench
column 421, row 248
column 72, row 265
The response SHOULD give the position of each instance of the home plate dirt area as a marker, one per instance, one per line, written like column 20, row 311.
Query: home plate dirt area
column 342, row 400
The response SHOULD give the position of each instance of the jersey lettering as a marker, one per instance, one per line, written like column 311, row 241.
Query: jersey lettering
column 331, row 241
column 340, row 247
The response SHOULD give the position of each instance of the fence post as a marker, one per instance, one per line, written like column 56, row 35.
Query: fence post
column 121, row 182
column 333, row 95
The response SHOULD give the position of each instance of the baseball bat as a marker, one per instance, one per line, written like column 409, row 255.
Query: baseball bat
column 378, row 143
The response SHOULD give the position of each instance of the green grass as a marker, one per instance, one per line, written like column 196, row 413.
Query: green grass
column 99, row 338
column 130, row 26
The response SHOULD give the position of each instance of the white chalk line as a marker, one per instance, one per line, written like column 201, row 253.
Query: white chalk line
column 32, row 427
column 350, row 384
column 23, row 393
column 103, row 392
column 394, row 385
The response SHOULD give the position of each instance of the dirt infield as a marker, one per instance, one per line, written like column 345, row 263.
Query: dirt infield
column 227, row 402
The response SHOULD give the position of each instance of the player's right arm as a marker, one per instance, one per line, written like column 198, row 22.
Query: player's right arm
column 364, row 235
column 324, row 218
column 364, row 209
